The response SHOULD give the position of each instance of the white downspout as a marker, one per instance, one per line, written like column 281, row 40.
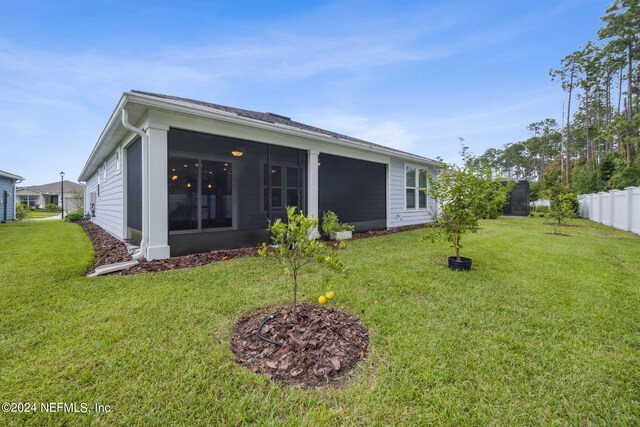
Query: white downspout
column 145, row 203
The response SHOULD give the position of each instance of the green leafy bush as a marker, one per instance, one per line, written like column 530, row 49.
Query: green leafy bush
column 331, row 224
column 295, row 247
column 20, row 213
column 541, row 209
column 465, row 194
column 51, row 207
column 74, row 216
column 563, row 204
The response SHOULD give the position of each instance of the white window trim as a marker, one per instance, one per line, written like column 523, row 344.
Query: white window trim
column 418, row 169
column 118, row 158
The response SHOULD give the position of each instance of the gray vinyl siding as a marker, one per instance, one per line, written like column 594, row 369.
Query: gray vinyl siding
column 399, row 215
column 109, row 212
column 6, row 184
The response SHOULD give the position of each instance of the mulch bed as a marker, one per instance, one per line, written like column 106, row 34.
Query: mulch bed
column 317, row 351
column 375, row 233
column 558, row 234
column 107, row 249
column 185, row 261
column 110, row 250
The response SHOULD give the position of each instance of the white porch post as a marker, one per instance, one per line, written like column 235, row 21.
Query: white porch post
column 312, row 183
column 312, row 186
column 157, row 198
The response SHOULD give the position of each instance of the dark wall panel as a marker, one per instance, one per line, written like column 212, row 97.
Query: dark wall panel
column 355, row 190
column 134, row 185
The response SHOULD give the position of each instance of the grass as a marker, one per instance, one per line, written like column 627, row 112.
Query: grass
column 40, row 214
column 546, row 330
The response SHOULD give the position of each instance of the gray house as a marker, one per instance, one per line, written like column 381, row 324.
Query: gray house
column 7, row 195
column 180, row 176
column 38, row 196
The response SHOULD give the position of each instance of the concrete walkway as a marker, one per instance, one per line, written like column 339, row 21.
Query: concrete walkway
column 59, row 216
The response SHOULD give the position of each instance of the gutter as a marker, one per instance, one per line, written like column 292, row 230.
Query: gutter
column 145, row 183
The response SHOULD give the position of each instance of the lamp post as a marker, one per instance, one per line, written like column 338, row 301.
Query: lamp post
column 62, row 191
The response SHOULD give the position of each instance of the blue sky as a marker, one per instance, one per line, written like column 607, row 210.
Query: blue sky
column 411, row 75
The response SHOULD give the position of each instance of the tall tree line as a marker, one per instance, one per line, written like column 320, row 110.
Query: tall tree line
column 596, row 146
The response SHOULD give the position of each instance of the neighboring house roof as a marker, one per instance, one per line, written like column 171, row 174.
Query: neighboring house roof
column 135, row 99
column 11, row 175
column 54, row 187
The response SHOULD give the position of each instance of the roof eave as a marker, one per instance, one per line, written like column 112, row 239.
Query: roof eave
column 207, row 112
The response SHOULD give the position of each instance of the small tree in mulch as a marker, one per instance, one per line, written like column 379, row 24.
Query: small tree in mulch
column 295, row 247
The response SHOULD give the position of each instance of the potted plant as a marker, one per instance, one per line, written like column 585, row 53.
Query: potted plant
column 464, row 194
column 335, row 230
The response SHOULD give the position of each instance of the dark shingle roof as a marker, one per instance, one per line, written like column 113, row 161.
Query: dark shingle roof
column 277, row 119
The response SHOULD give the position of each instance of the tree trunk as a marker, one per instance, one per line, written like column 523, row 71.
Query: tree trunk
column 295, row 296
column 607, row 146
column 586, row 119
column 568, row 145
column 619, row 102
column 620, row 88
column 630, row 103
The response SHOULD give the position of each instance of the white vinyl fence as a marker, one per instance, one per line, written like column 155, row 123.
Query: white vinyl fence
column 616, row 208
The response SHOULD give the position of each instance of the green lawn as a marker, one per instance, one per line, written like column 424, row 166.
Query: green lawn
column 545, row 331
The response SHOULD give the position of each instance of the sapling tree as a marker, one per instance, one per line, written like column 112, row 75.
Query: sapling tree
column 295, row 247
column 465, row 194
column 563, row 204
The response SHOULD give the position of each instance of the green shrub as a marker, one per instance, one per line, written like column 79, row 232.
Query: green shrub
column 20, row 213
column 51, row 207
column 541, row 209
column 331, row 224
column 465, row 194
column 563, row 204
column 74, row 216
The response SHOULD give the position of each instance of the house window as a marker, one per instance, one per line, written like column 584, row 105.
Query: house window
column 415, row 186
column 30, row 201
column 200, row 194
column 284, row 186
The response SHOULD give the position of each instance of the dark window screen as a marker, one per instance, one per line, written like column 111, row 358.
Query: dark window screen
column 217, row 197
column 134, row 186
column 354, row 189
column 183, row 193
column 259, row 192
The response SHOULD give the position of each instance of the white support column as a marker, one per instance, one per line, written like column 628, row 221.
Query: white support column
column 158, row 233
column 312, row 187
column 312, row 183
